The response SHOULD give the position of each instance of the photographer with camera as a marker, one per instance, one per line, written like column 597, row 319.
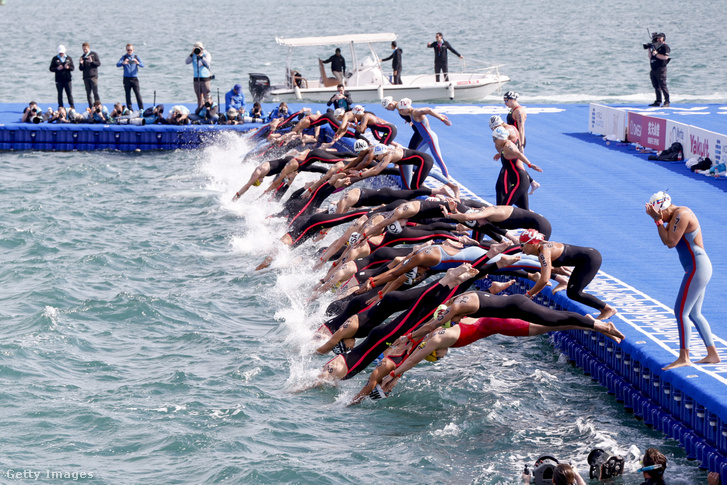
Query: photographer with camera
column 207, row 114
column 62, row 65
column 659, row 58
column 131, row 64
column 99, row 113
column 88, row 63
column 200, row 60
column 32, row 114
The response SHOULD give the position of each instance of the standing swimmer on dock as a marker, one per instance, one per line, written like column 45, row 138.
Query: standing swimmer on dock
column 678, row 227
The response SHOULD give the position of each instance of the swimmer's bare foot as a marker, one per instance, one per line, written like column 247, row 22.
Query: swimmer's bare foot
column 499, row 287
column 265, row 263
column 712, row 356
column 507, row 260
column 608, row 329
column 559, row 287
column 533, row 187
column 501, row 246
column 678, row 363
column 607, row 312
column 455, row 189
column 441, row 190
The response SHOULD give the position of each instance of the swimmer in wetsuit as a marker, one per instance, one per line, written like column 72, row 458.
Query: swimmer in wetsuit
column 585, row 261
column 678, row 228
column 512, row 185
column 383, row 131
column 505, row 217
column 496, row 121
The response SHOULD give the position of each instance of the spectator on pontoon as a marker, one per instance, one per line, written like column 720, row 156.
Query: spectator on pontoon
column 62, row 65
column 207, row 113
column 179, row 115
column 99, row 113
column 234, row 98
column 32, row 113
column 257, row 113
column 201, row 61
column 280, row 112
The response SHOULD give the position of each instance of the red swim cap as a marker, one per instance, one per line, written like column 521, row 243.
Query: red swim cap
column 531, row 236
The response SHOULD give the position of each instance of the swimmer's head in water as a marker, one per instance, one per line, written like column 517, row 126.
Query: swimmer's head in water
column 660, row 201
column 387, row 101
column 360, row 145
column 500, row 133
column 394, row 227
column 339, row 112
column 495, row 121
column 405, row 103
column 358, row 109
column 531, row 236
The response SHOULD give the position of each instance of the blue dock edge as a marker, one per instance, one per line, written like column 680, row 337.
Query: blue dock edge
column 670, row 402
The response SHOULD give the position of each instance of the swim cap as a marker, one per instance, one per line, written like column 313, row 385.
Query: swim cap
column 360, row 145
column 394, row 227
column 353, row 238
column 660, row 201
column 257, row 182
column 380, row 149
column 411, row 276
column 432, row 357
column 339, row 112
column 405, row 103
column 358, row 109
column 500, row 133
column 387, row 101
column 531, row 236
column 510, row 95
column 495, row 121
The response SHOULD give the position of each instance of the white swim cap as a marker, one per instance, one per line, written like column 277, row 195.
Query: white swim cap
column 510, row 95
column 360, row 145
column 500, row 133
column 339, row 112
column 387, row 101
column 405, row 103
column 353, row 238
column 394, row 227
column 660, row 201
column 358, row 109
column 380, row 149
column 495, row 121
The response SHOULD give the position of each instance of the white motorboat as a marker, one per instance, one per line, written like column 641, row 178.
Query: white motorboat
column 366, row 81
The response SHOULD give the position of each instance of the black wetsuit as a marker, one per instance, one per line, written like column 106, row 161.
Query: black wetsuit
column 423, row 163
column 386, row 195
column 512, row 121
column 586, row 263
column 512, row 184
column 382, row 131
column 522, row 307
column 519, row 219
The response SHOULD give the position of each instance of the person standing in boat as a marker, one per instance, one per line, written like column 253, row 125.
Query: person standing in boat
column 679, row 228
column 441, row 47
column 131, row 64
column 62, row 65
column 338, row 65
column 395, row 59
column 201, row 61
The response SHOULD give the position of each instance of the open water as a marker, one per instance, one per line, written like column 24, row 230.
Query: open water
column 138, row 346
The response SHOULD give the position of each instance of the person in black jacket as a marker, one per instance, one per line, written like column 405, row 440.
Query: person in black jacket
column 342, row 99
column 338, row 65
column 62, row 65
column 440, row 55
column 658, row 59
column 395, row 58
column 88, row 63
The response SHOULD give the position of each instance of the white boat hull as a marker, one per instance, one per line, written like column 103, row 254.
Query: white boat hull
column 460, row 87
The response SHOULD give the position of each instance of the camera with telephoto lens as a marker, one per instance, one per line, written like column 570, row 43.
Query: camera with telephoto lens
column 197, row 50
column 542, row 472
column 651, row 45
column 604, row 465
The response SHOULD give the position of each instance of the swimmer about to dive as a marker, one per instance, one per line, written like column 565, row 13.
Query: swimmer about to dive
column 679, row 228
column 585, row 261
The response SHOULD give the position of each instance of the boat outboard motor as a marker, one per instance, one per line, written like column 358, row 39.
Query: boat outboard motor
column 604, row 465
column 543, row 470
column 259, row 86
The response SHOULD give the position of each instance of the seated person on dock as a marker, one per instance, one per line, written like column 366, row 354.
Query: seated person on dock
column 280, row 112
column 119, row 110
column 235, row 99
column 99, row 113
column 231, row 117
column 155, row 115
column 256, row 113
column 179, row 115
column 32, row 113
column 207, row 113
column 59, row 116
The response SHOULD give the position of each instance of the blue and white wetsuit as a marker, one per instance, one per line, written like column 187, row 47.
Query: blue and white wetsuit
column 697, row 273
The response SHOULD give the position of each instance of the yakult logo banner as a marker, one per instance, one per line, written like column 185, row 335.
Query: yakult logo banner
column 705, row 144
column 646, row 131
column 604, row 120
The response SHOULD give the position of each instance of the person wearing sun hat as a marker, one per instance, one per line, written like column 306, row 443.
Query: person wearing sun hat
column 201, row 61
column 62, row 65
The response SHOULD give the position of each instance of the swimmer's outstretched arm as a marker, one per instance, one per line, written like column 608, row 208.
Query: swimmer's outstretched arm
column 382, row 370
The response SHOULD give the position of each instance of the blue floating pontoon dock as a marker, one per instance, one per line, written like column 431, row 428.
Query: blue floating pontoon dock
column 593, row 191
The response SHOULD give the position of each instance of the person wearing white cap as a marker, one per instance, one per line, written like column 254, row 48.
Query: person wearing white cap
column 201, row 61
column 679, row 228
column 512, row 185
column 62, row 65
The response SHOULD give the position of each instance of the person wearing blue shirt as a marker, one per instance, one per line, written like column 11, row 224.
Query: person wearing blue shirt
column 280, row 112
column 201, row 61
column 99, row 113
column 235, row 99
column 131, row 64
